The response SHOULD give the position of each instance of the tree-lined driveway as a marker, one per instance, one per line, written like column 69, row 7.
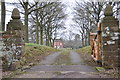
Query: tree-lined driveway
column 46, row 68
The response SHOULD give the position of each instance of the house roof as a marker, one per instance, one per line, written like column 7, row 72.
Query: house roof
column 58, row 40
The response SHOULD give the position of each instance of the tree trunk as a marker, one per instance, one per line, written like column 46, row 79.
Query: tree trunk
column 26, row 22
column 82, row 40
column 86, row 38
column 89, row 38
column 41, row 35
column 3, row 13
column 50, row 41
column 48, row 38
column 37, row 22
column 86, row 42
column 37, row 33
column 47, row 41
column 53, row 42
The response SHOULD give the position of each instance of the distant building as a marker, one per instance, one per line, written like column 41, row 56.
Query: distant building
column 58, row 43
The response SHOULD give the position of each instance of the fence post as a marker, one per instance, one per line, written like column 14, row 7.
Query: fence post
column 110, row 39
column 98, row 42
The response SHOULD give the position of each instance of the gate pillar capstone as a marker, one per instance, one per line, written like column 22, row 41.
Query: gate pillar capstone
column 110, row 39
column 16, row 28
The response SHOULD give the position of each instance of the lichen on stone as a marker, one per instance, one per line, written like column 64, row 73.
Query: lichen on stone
column 116, row 33
column 115, row 38
column 105, row 44
column 110, row 42
column 107, row 29
column 104, row 35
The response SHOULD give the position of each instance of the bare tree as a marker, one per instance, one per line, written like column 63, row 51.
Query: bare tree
column 50, row 19
column 86, row 16
column 3, row 13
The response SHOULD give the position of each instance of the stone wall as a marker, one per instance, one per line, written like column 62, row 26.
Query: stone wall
column 110, row 39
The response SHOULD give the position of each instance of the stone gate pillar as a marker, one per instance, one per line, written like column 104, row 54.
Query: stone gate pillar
column 110, row 39
column 13, row 40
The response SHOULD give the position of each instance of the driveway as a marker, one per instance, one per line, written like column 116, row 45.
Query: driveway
column 46, row 69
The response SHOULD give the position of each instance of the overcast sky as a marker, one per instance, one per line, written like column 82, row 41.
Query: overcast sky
column 69, row 3
column 69, row 9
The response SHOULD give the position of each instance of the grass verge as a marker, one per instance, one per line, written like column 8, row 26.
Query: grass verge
column 85, row 53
